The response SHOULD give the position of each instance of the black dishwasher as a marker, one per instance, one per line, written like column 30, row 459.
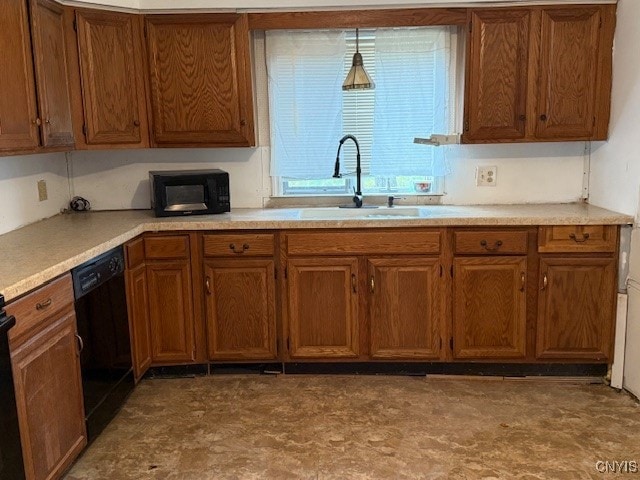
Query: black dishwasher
column 103, row 326
column 11, row 466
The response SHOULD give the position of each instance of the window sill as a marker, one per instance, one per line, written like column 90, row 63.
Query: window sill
column 294, row 201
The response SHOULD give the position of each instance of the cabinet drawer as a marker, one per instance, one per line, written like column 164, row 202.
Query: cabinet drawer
column 364, row 243
column 32, row 310
column 491, row 242
column 166, row 246
column 245, row 245
column 577, row 238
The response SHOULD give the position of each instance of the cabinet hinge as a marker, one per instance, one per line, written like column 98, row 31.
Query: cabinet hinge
column 75, row 25
column 84, row 129
column 451, row 343
column 600, row 23
column 466, row 125
column 594, row 121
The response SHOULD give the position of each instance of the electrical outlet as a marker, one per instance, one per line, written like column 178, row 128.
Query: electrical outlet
column 42, row 190
column 486, row 176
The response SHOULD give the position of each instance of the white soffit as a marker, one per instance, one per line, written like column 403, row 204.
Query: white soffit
column 297, row 5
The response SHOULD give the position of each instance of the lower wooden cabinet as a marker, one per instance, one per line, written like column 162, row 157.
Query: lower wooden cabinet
column 171, row 311
column 576, row 308
column 240, row 309
column 489, row 307
column 138, row 301
column 46, row 371
column 404, row 308
column 322, row 297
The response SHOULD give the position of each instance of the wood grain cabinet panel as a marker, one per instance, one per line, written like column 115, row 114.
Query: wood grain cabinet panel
column 489, row 307
column 576, row 308
column 577, row 238
column 139, row 325
column 404, row 308
column 568, row 72
column 171, row 311
column 52, row 73
column 497, row 73
column 18, row 113
column 200, row 79
column 113, row 93
column 323, row 307
column 46, row 371
column 240, row 309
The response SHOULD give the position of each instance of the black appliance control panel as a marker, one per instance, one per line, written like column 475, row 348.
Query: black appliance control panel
column 97, row 271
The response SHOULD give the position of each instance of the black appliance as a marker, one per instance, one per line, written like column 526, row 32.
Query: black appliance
column 103, row 326
column 11, row 466
column 189, row 192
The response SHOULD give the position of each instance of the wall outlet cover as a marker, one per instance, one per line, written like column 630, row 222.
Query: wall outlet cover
column 42, row 190
column 486, row 176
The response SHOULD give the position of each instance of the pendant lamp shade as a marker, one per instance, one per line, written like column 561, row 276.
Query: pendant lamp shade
column 357, row 78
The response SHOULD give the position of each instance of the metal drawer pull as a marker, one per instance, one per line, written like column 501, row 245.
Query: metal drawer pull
column 523, row 279
column 585, row 237
column 207, row 285
column 43, row 305
column 545, row 281
column 372, row 284
column 353, row 283
column 80, row 344
column 245, row 246
column 496, row 245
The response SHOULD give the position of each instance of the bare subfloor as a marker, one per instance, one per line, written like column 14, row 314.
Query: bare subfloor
column 364, row 427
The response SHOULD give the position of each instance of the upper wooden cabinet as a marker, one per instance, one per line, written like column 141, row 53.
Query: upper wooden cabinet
column 200, row 77
column 539, row 74
column 112, row 79
column 497, row 74
column 52, row 73
column 23, row 118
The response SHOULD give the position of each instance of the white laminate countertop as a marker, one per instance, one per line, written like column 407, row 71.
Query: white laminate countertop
column 37, row 253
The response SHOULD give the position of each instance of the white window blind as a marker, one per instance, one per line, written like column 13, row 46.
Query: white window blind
column 309, row 111
column 304, row 69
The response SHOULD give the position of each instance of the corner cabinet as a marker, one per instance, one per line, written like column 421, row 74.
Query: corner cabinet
column 200, row 75
column 35, row 110
column 538, row 74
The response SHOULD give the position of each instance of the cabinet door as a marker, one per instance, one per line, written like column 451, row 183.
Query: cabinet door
column 52, row 73
column 240, row 307
column 497, row 73
column 323, row 307
column 576, row 308
column 405, row 308
column 200, row 79
column 568, row 73
column 18, row 117
column 138, row 307
column 111, row 74
column 171, row 312
column 489, row 307
column 46, row 370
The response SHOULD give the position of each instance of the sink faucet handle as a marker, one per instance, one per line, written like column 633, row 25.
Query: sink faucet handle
column 390, row 200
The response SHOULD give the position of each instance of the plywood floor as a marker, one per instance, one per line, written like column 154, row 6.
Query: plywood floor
column 364, row 427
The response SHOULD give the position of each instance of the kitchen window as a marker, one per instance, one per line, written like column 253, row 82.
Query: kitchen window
column 414, row 73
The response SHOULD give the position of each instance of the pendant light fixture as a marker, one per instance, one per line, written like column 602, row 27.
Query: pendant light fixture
column 357, row 78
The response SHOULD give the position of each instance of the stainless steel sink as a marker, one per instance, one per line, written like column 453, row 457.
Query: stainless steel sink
column 335, row 213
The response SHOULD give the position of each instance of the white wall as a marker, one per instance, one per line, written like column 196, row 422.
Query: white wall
column 615, row 165
column 19, row 176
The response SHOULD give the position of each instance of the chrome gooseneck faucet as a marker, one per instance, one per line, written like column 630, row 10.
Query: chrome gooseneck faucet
column 357, row 194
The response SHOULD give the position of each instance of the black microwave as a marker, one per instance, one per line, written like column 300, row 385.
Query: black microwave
column 189, row 192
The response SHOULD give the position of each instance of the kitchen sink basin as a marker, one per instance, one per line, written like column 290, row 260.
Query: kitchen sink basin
column 336, row 213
